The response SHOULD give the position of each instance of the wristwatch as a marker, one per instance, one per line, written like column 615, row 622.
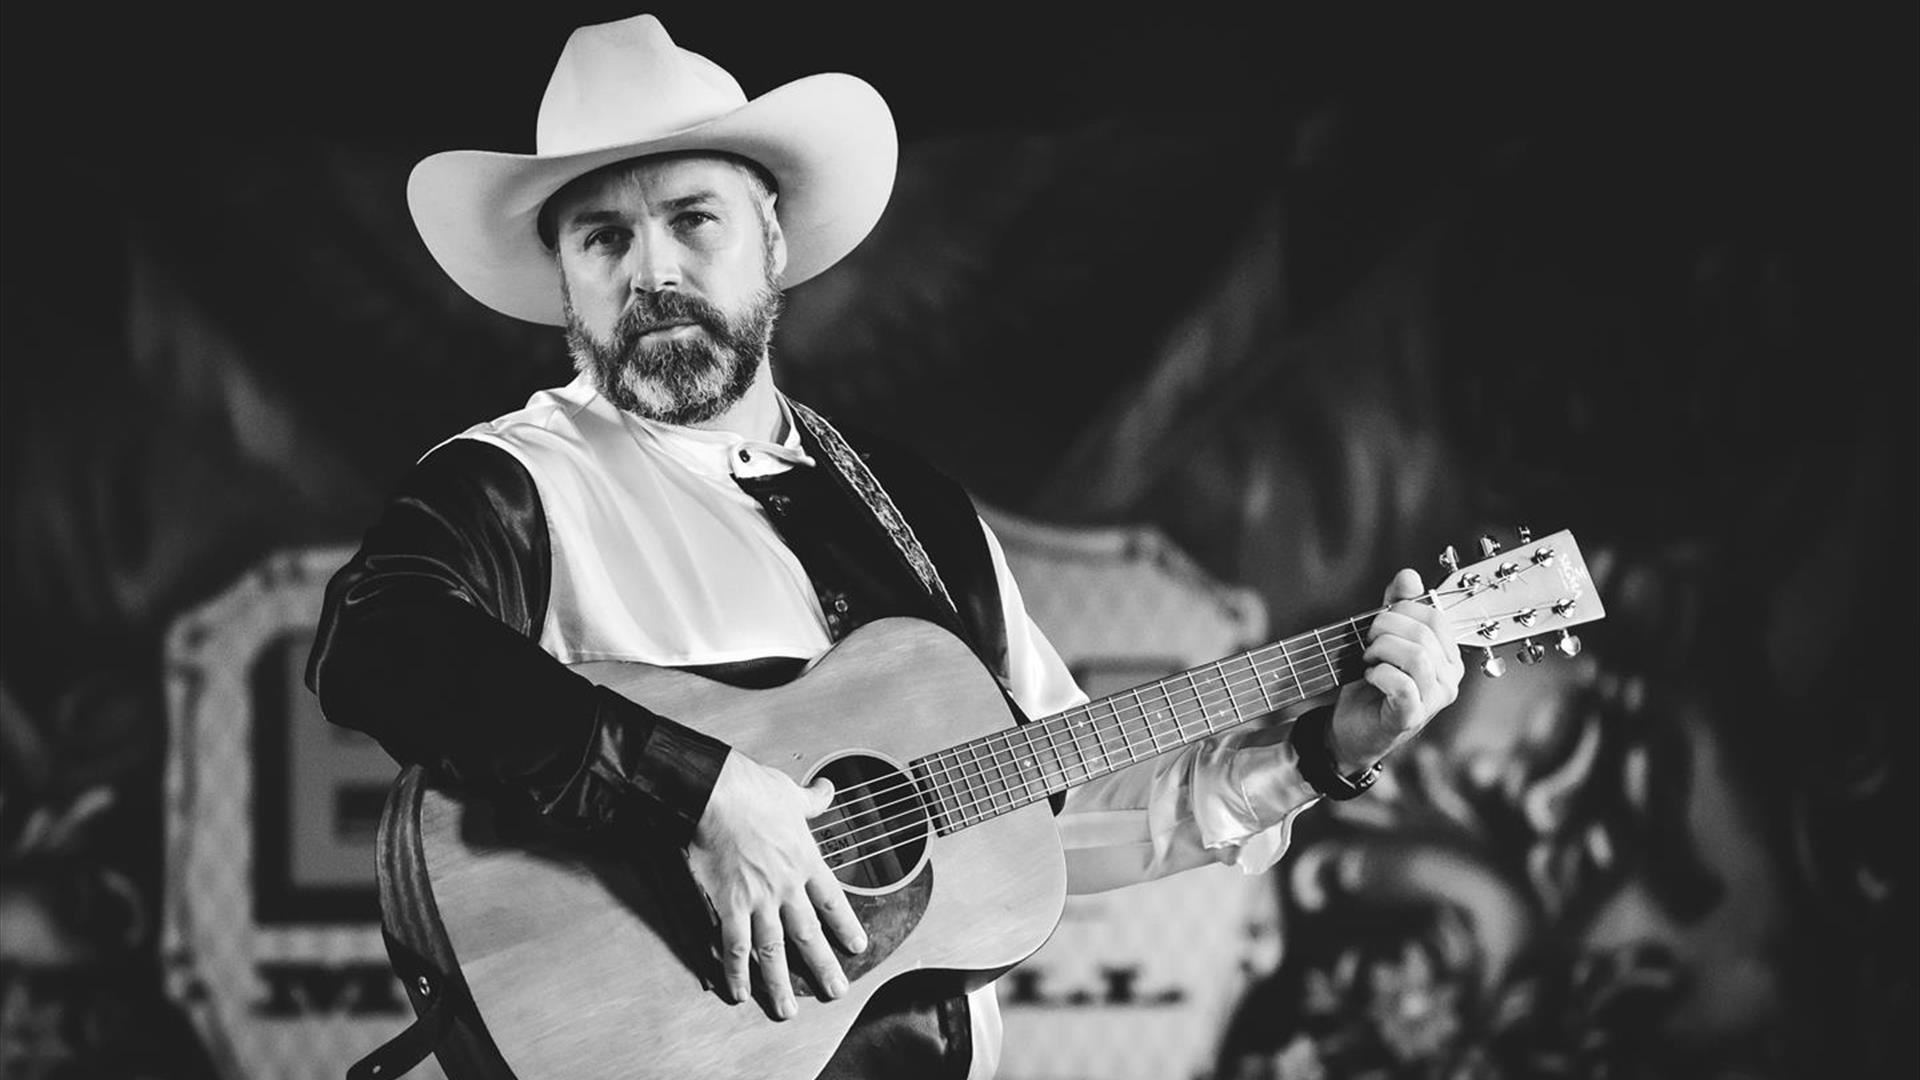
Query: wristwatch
column 1310, row 745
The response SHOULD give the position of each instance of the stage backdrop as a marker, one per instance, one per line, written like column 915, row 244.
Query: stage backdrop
column 1309, row 303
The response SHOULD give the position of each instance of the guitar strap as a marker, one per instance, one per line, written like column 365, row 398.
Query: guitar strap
column 442, row 1002
column 859, row 480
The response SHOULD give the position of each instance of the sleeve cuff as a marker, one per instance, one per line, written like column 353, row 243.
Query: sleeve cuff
column 1245, row 798
column 640, row 762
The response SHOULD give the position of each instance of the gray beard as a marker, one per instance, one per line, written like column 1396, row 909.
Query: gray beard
column 677, row 381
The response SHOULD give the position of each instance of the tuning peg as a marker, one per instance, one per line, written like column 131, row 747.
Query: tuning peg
column 1564, row 608
column 1488, row 629
column 1526, row 534
column 1526, row 617
column 1530, row 652
column 1450, row 559
column 1569, row 644
column 1489, row 546
column 1543, row 556
column 1492, row 666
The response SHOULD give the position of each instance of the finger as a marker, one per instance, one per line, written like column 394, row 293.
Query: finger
column 770, row 956
column 1404, row 586
column 736, row 949
column 1409, row 627
column 1437, row 621
column 819, row 796
column 1411, row 659
column 1399, row 690
column 836, row 914
column 1411, row 622
column 803, row 930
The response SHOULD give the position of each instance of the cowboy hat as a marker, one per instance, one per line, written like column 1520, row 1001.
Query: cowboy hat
column 624, row 90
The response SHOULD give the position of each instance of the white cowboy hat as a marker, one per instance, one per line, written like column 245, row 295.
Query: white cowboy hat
column 623, row 90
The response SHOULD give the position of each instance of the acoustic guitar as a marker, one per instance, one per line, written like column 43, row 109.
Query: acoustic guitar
column 575, row 957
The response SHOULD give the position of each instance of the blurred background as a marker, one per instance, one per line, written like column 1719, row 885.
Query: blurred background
column 1261, row 305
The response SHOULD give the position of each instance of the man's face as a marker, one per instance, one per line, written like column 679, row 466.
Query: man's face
column 668, row 265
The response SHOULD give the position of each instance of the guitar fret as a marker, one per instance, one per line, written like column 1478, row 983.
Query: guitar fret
column 1147, row 717
column 930, row 779
column 1059, row 763
column 1022, row 761
column 1119, row 725
column 1013, row 790
column 1026, row 765
column 1207, row 707
column 1073, row 727
column 1328, row 660
column 984, row 792
column 1199, row 697
column 1234, row 711
column 1260, row 683
column 1353, row 627
column 1286, row 653
column 965, row 781
column 1099, row 730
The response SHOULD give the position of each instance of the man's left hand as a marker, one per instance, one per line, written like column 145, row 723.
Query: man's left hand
column 1413, row 671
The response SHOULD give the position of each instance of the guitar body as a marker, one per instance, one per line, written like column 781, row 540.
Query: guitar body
column 588, row 958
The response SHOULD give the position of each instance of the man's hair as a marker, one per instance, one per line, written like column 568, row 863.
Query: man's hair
column 759, row 180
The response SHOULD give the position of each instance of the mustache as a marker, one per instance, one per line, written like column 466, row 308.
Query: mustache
column 651, row 311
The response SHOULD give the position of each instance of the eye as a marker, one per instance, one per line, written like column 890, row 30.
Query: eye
column 602, row 239
column 689, row 220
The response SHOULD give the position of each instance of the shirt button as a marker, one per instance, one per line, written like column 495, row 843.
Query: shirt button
column 744, row 455
column 777, row 503
column 840, row 605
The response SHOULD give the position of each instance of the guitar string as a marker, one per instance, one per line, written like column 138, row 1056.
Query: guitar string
column 911, row 823
column 1227, row 687
column 1222, row 685
column 980, row 790
column 1463, row 593
column 1002, row 757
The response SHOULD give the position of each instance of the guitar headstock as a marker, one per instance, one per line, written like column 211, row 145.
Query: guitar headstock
column 1539, row 587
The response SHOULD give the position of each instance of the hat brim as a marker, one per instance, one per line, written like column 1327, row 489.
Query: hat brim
column 828, row 140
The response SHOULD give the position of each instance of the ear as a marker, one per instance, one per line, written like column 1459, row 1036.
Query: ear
column 776, row 237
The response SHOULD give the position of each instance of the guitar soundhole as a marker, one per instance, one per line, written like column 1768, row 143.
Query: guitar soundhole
column 875, row 833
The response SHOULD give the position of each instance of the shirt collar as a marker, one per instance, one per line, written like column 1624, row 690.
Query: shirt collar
column 721, row 453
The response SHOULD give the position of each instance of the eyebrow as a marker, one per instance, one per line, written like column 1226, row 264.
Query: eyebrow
column 586, row 218
column 698, row 198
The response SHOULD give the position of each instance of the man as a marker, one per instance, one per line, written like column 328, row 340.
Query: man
column 671, row 506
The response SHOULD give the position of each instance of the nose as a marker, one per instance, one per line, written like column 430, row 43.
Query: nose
column 655, row 267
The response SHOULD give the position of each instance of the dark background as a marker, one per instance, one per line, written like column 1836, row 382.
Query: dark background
column 1313, row 294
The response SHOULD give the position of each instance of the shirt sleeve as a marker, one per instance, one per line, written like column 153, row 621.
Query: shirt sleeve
column 1230, row 798
column 428, row 641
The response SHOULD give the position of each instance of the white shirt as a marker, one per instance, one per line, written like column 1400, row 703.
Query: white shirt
column 660, row 557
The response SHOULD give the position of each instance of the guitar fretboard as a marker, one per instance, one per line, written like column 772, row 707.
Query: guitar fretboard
column 989, row 776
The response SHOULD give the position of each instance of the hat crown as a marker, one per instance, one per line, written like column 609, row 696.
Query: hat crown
column 624, row 82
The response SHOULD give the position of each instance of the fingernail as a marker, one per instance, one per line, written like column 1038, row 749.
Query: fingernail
column 860, row 943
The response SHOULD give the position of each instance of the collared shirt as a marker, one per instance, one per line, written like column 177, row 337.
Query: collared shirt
column 660, row 556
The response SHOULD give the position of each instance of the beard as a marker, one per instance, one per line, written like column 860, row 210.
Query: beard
column 682, row 379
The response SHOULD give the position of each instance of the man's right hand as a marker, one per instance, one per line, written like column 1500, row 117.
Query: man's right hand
column 762, row 871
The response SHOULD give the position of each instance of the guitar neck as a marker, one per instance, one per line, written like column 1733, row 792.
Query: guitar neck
column 986, row 777
column 1540, row 587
